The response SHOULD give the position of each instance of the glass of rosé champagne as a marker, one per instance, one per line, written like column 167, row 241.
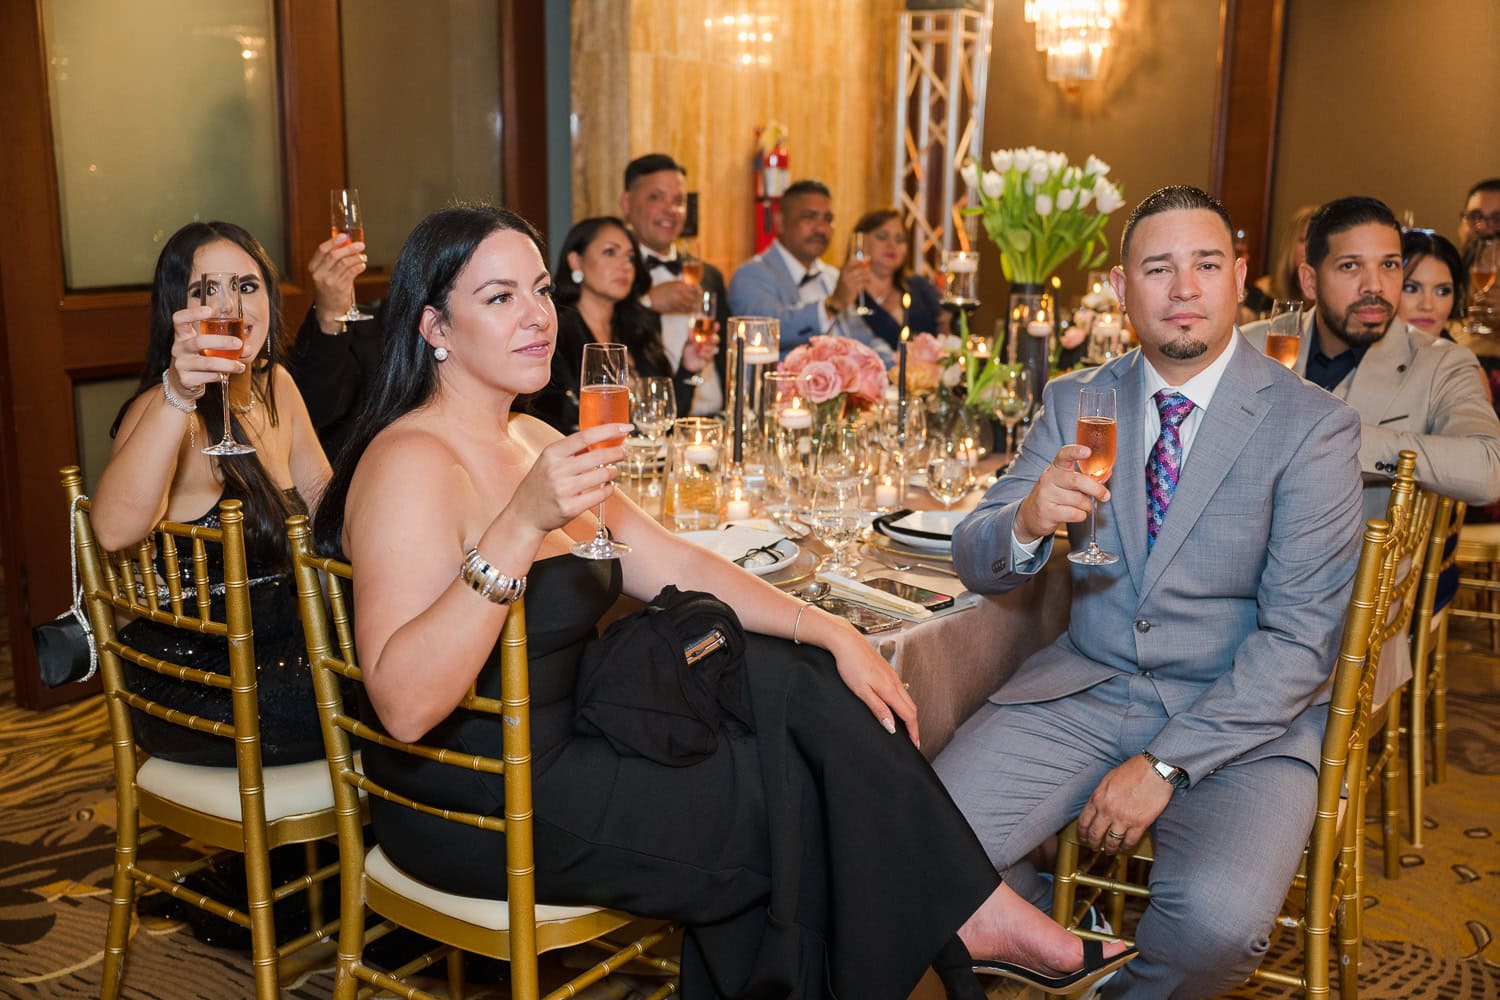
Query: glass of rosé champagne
column 1096, row 430
column 221, row 293
column 1482, row 270
column 692, row 263
column 1284, row 335
column 703, row 325
column 603, row 398
column 859, row 251
column 345, row 216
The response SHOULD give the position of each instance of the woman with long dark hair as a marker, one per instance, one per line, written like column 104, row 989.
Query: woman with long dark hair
column 158, row 469
column 1434, row 285
column 598, row 292
column 813, row 853
column 890, row 280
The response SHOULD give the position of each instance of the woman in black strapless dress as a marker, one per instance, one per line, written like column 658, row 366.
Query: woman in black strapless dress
column 158, row 470
column 815, row 857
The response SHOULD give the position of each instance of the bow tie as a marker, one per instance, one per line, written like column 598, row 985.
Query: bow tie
column 674, row 265
column 809, row 276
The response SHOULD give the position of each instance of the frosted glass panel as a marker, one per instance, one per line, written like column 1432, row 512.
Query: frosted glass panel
column 162, row 112
column 421, row 110
column 95, row 405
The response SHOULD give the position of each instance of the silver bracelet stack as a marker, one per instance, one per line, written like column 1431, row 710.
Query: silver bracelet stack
column 175, row 401
column 488, row 582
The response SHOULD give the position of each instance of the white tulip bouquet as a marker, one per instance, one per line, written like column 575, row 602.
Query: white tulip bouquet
column 1040, row 210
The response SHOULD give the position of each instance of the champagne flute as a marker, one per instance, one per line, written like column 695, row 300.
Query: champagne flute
column 1284, row 335
column 345, row 216
column 1096, row 430
column 950, row 469
column 603, row 398
column 703, row 326
column 1482, row 270
column 858, row 251
column 692, row 263
column 221, row 293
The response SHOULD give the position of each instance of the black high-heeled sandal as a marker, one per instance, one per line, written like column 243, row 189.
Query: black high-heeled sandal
column 955, row 967
column 1095, row 968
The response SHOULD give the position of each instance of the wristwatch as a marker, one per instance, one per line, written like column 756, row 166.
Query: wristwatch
column 1174, row 776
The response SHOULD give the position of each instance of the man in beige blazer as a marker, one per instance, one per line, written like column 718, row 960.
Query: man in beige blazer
column 1411, row 390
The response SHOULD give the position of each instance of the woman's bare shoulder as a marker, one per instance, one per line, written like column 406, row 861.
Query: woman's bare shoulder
column 411, row 460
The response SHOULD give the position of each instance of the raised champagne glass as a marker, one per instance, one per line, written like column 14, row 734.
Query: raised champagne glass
column 1284, row 335
column 1096, row 431
column 221, row 293
column 703, row 326
column 692, row 263
column 345, row 216
column 603, row 398
column 860, row 253
column 1482, row 270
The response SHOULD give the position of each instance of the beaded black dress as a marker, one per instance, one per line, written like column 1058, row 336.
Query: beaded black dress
column 289, row 732
column 817, row 857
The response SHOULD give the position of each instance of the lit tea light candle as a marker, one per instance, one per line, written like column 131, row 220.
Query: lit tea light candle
column 701, row 454
column 970, row 451
column 979, row 348
column 738, row 508
column 794, row 418
column 965, row 263
column 885, row 493
column 1039, row 327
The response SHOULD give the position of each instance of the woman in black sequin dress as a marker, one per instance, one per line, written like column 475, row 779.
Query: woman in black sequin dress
column 158, row 470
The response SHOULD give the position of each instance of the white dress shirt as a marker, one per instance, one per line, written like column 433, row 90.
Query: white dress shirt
column 708, row 399
column 1200, row 389
column 812, row 291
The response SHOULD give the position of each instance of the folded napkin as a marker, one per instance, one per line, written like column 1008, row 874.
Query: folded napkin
column 733, row 542
column 853, row 590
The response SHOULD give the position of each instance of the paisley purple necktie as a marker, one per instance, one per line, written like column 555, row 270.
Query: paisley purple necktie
column 1165, row 463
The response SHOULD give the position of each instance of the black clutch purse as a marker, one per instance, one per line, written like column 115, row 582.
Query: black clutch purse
column 65, row 650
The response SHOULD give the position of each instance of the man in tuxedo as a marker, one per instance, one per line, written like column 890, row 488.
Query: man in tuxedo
column 1188, row 695
column 1411, row 390
column 788, row 281
column 654, row 203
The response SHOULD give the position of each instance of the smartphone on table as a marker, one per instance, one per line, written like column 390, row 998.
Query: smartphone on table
column 866, row 619
column 929, row 599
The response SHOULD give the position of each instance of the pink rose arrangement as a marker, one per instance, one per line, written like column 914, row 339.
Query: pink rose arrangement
column 837, row 370
column 932, row 364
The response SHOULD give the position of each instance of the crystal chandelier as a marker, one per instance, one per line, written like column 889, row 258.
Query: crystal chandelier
column 1074, row 34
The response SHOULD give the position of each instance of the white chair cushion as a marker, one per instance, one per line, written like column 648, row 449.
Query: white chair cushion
column 290, row 790
column 492, row 914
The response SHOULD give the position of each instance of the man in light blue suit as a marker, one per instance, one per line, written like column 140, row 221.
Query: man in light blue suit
column 788, row 281
column 1188, row 695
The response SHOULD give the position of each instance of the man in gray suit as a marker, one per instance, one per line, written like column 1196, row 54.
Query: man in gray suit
column 789, row 282
column 1411, row 390
column 1188, row 695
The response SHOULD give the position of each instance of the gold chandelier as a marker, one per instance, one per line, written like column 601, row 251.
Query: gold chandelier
column 1074, row 34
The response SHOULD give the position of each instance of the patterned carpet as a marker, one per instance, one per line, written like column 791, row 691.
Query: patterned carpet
column 1430, row 933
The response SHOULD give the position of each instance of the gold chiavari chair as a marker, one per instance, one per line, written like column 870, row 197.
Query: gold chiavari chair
column 247, row 808
column 1429, row 664
column 1326, row 893
column 515, row 929
column 1479, row 548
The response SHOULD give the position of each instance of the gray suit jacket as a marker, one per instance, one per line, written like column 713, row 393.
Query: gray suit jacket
column 1235, row 615
column 1422, row 393
column 762, row 286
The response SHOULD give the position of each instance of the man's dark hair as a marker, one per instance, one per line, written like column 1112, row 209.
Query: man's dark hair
column 651, row 163
column 1170, row 199
column 1487, row 185
column 809, row 186
column 1341, row 215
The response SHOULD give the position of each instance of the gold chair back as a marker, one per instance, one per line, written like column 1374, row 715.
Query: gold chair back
column 177, row 591
column 1429, row 661
column 323, row 585
column 1326, row 892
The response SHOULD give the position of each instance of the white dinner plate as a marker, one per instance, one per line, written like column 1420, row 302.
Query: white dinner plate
column 930, row 530
column 733, row 542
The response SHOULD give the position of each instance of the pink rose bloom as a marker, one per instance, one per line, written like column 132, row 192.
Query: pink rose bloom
column 870, row 388
column 795, row 360
column 923, row 349
column 820, row 381
column 848, row 369
column 1073, row 336
column 823, row 348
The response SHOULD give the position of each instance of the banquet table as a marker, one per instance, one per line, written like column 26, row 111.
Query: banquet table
column 953, row 661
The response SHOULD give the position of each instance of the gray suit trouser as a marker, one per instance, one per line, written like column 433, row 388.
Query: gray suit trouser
column 1226, row 849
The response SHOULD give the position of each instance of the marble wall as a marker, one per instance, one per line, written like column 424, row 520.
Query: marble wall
column 694, row 80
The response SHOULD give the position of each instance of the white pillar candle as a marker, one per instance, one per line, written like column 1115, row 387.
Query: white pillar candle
column 885, row 493
column 737, row 510
column 701, row 454
column 1039, row 328
column 794, row 418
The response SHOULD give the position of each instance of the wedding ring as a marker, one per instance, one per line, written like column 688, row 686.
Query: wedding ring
column 1114, row 836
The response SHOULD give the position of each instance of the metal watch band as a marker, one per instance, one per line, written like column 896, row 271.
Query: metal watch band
column 1174, row 776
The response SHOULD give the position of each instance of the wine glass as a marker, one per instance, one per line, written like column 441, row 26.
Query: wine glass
column 1096, row 429
column 788, row 441
column 860, row 253
column 950, row 469
column 703, row 326
column 653, row 408
column 1284, row 335
column 345, row 216
column 904, row 448
column 603, row 398
column 1009, row 397
column 221, row 293
column 840, row 457
column 692, row 263
column 1482, row 269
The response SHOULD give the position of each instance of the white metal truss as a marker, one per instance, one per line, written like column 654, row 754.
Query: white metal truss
column 942, row 69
